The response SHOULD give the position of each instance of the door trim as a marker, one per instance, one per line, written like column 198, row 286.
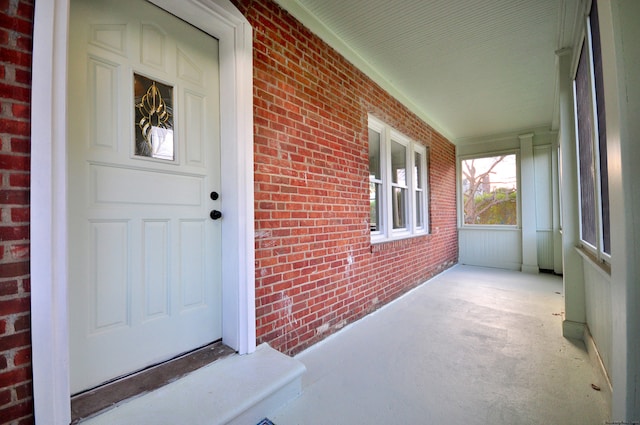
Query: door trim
column 49, row 258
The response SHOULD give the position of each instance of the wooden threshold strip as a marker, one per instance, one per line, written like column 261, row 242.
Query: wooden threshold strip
column 92, row 402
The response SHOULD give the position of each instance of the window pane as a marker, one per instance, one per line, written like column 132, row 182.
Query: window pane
column 399, row 208
column 417, row 170
column 585, row 150
column 398, row 163
column 374, row 154
column 153, row 118
column 419, row 201
column 375, row 205
column 489, row 187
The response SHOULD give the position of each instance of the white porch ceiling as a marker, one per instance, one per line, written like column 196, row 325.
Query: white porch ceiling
column 471, row 68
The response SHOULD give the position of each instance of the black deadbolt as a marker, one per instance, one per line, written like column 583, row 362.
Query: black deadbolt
column 214, row 195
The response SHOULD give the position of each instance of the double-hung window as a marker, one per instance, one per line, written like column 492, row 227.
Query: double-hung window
column 591, row 144
column 397, row 184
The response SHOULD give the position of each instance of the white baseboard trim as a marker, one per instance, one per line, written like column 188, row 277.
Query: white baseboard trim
column 573, row 330
column 580, row 331
column 596, row 360
column 530, row 269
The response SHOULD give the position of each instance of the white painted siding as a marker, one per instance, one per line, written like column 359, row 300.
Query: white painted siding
column 544, row 206
column 491, row 247
column 545, row 249
column 598, row 306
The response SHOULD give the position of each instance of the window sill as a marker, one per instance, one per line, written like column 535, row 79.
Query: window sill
column 602, row 266
column 396, row 242
column 499, row 227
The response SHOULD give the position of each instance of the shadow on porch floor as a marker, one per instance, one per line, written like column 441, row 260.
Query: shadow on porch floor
column 471, row 346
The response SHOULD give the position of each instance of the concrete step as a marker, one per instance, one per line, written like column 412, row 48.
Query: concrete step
column 237, row 390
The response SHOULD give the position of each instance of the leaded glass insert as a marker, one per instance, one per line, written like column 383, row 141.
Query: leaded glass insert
column 153, row 118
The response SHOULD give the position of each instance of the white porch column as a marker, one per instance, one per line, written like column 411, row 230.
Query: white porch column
column 528, row 205
column 620, row 35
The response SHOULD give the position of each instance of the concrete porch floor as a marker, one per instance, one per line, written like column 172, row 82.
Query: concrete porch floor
column 471, row 346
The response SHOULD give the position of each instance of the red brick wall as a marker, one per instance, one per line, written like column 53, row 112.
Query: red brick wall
column 316, row 269
column 16, row 25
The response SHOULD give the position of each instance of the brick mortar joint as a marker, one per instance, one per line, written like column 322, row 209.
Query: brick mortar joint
column 10, row 102
column 10, row 326
column 10, row 76
column 17, row 401
column 19, row 296
column 15, row 36
column 10, row 355
column 14, row 7
column 10, row 117
column 8, row 136
column 12, row 248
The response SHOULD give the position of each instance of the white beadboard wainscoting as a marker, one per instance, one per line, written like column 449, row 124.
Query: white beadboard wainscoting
column 545, row 249
column 491, row 247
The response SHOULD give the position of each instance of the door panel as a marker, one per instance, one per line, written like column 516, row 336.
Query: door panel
column 144, row 272
column 109, row 290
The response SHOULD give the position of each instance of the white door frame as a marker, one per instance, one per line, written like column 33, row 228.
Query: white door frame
column 49, row 258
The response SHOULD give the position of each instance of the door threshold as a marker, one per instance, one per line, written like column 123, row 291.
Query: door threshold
column 92, row 402
column 237, row 390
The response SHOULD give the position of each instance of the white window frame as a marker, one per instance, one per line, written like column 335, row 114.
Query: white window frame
column 407, row 186
column 379, row 128
column 422, row 150
column 598, row 250
column 386, row 231
column 461, row 223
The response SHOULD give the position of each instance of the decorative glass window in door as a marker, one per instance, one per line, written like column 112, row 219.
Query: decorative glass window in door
column 153, row 118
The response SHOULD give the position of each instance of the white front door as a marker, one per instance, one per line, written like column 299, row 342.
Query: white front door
column 144, row 161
